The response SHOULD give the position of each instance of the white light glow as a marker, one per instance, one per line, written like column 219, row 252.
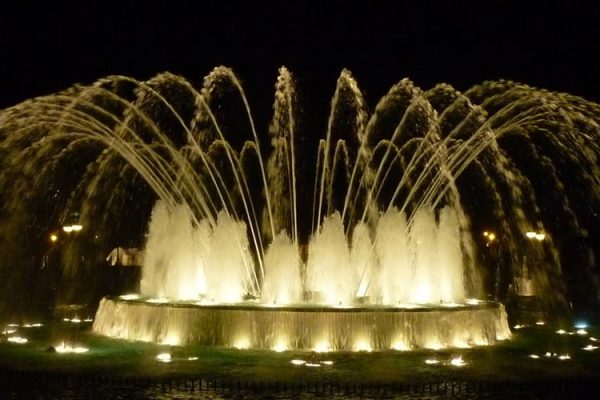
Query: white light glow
column 540, row 323
column 172, row 339
column 593, row 339
column 192, row 358
column 362, row 345
column 581, row 325
column 458, row 361
column 312, row 365
column 590, row 347
column 473, row 302
column 280, row 346
column 322, row 347
column 534, row 356
column 130, row 296
column 400, row 345
column 328, row 362
column 530, row 235
column 65, row 349
column 518, row 326
column 68, row 229
column 17, row 339
column 564, row 357
column 540, row 236
column 76, row 320
column 158, row 300
column 561, row 331
column 164, row 357
column 581, row 332
column 432, row 361
column 298, row 362
column 9, row 331
column 242, row 343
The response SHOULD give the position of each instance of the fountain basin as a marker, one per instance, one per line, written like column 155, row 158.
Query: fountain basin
column 304, row 327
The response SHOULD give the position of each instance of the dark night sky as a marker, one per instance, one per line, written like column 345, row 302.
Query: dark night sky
column 45, row 47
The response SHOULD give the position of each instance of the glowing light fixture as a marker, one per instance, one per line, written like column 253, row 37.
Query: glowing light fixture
column 17, row 339
column 590, row 347
column 164, row 357
column 298, row 362
column 432, row 361
column 322, row 347
column 53, row 237
column 458, row 362
column 131, row 296
column 535, row 356
column 530, row 235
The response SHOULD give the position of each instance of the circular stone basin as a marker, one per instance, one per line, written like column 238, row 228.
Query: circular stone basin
column 303, row 327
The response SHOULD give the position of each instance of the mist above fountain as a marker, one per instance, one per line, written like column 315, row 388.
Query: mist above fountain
column 377, row 214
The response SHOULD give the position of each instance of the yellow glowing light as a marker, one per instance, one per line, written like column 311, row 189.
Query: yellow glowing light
column 172, row 339
column 192, row 358
column 164, row 357
column 400, row 345
column 298, row 362
column 540, row 323
column 322, row 347
column 327, row 362
column 313, row 365
column 458, row 361
column 451, row 305
column 485, row 233
column 548, row 354
column 564, row 357
column 461, row 344
column 492, row 237
column 593, row 339
column 68, row 229
column 65, row 348
column 434, row 344
column 530, row 234
column 540, row 236
column 472, row 302
column 17, row 340
column 88, row 320
column 75, row 320
column 590, row 347
column 519, row 326
column 362, row 345
column 242, row 344
column 159, row 300
column 534, row 356
column 432, row 361
column 9, row 331
column 561, row 331
column 36, row 325
column 130, row 296
column 53, row 237
column 76, row 227
column 280, row 346
column 581, row 332
column 409, row 306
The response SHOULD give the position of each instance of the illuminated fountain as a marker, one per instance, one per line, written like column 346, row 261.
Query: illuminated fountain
column 364, row 244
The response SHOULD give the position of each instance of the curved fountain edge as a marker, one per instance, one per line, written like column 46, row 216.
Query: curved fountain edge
column 302, row 328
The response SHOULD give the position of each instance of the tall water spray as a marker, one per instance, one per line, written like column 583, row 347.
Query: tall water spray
column 394, row 213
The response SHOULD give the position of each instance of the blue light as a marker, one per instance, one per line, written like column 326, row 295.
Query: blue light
column 581, row 325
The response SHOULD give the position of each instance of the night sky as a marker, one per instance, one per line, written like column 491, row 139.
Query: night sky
column 45, row 47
